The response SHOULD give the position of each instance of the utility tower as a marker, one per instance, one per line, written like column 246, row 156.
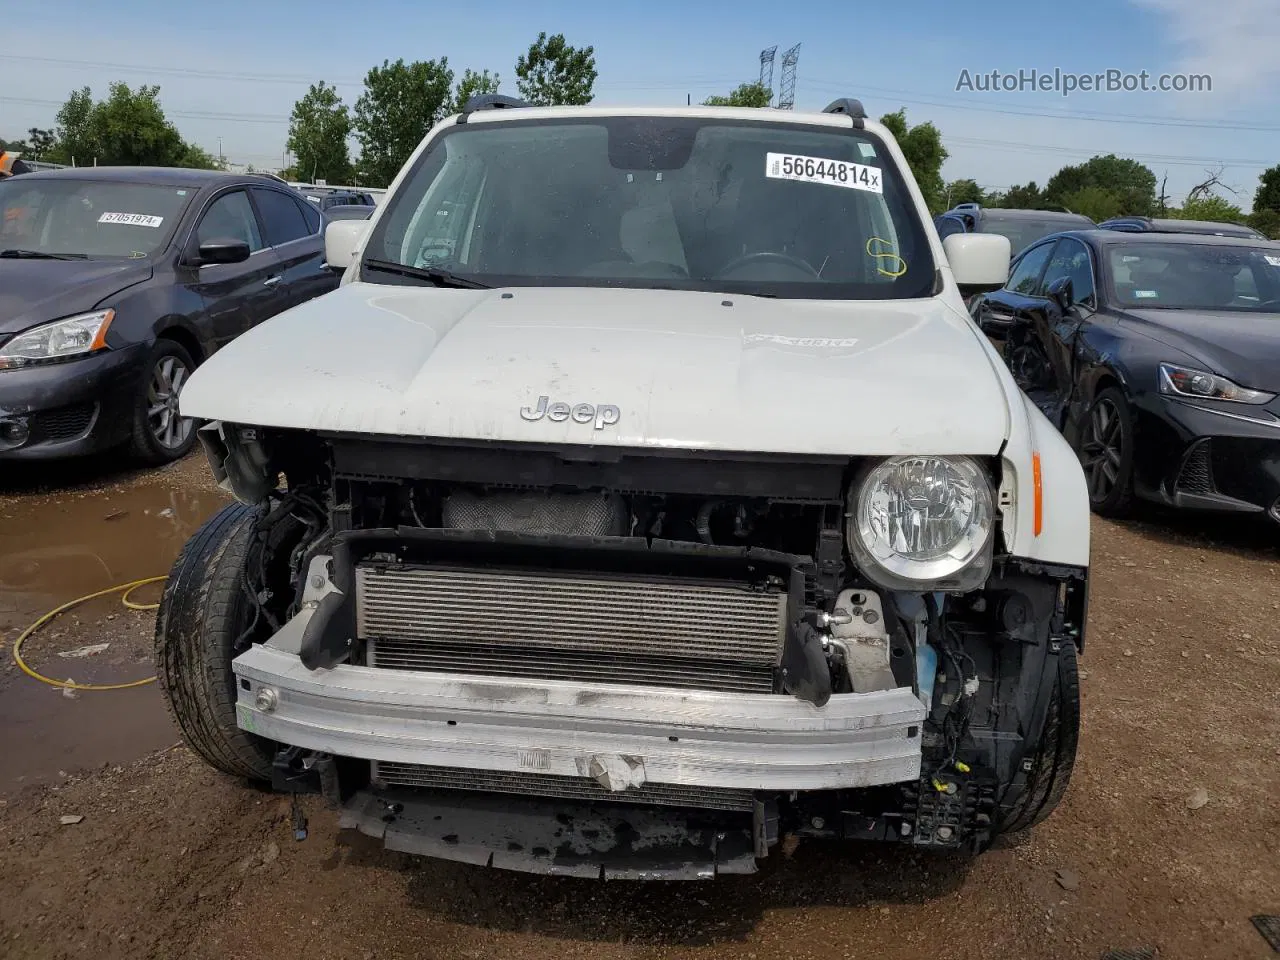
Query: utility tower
column 766, row 69
column 787, row 85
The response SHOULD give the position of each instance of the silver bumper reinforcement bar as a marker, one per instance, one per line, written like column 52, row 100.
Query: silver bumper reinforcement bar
column 623, row 736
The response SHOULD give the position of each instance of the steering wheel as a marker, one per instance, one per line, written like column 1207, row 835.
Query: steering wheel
column 769, row 256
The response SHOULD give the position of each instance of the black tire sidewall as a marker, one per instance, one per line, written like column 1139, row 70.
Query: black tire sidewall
column 144, row 444
column 203, row 612
column 1054, row 755
column 1120, row 498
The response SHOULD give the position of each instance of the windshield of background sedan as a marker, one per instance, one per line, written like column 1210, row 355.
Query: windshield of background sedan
column 1187, row 276
column 782, row 210
column 87, row 218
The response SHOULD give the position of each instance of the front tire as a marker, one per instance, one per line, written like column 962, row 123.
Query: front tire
column 160, row 435
column 203, row 614
column 1054, row 757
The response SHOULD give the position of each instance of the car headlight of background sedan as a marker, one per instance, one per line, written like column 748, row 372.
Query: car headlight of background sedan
column 59, row 340
column 1178, row 381
column 922, row 523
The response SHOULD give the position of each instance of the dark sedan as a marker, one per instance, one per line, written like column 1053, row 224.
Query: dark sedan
column 1211, row 227
column 116, row 282
column 1021, row 227
column 349, row 212
column 1158, row 356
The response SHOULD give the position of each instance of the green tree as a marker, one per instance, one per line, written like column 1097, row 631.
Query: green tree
column 966, row 191
column 1095, row 203
column 129, row 128
column 1209, row 207
column 75, row 143
column 1022, row 197
column 1267, row 196
column 400, row 103
column 472, row 84
column 753, row 94
column 40, row 143
column 1266, row 221
column 553, row 72
column 922, row 146
column 1133, row 184
column 318, row 131
column 200, row 159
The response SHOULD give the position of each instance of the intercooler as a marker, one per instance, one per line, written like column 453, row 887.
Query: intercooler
column 710, row 635
column 386, row 774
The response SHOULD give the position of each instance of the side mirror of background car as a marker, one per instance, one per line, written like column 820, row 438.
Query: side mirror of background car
column 979, row 261
column 223, row 250
column 342, row 238
column 1061, row 293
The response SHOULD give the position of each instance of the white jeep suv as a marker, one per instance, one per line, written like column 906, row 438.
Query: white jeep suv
column 644, row 494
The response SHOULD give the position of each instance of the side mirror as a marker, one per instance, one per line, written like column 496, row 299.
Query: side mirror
column 979, row 261
column 1061, row 293
column 222, row 250
column 342, row 241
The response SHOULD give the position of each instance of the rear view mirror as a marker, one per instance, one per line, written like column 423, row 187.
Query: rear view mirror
column 342, row 241
column 979, row 261
column 223, row 250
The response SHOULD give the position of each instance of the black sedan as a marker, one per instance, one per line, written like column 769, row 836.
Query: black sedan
column 1158, row 356
column 116, row 282
column 349, row 212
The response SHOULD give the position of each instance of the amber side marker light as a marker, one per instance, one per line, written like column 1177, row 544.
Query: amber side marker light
column 100, row 341
column 1038, row 482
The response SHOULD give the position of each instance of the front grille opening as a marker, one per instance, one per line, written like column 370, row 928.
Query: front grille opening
column 662, row 632
column 63, row 424
column 413, row 775
column 1196, row 475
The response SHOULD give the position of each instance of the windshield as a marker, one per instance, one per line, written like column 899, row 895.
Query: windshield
column 88, row 218
column 1194, row 276
column 1022, row 233
column 762, row 208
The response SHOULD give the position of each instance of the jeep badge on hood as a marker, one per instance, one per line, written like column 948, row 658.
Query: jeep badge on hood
column 604, row 415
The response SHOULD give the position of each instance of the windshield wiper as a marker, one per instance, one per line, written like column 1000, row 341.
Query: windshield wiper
column 40, row 255
column 441, row 278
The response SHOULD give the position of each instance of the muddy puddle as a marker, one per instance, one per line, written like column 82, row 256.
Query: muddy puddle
column 63, row 541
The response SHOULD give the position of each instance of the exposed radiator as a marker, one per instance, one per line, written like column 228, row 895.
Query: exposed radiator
column 656, row 632
column 388, row 774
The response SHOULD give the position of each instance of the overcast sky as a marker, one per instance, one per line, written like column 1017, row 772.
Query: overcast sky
column 232, row 70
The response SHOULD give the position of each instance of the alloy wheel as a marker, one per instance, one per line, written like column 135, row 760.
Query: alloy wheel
column 1102, row 452
column 167, row 426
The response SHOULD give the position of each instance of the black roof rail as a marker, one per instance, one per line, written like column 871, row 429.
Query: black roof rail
column 852, row 107
column 490, row 101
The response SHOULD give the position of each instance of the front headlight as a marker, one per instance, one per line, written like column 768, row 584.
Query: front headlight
column 923, row 523
column 1178, row 381
column 59, row 340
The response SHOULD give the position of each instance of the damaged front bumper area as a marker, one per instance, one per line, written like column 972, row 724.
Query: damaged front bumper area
column 544, row 764
column 595, row 703
column 622, row 737
column 567, row 778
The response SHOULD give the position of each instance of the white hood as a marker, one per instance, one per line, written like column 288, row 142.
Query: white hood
column 684, row 370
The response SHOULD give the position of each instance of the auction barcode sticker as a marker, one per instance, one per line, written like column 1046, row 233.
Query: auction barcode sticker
column 1274, row 261
column 132, row 219
column 836, row 173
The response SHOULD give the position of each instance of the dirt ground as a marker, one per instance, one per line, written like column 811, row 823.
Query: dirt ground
column 1181, row 694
